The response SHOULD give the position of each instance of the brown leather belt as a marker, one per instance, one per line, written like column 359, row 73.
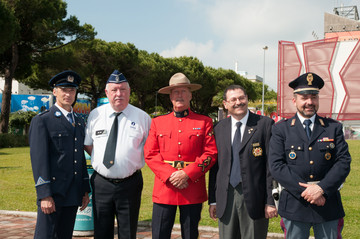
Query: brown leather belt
column 118, row 180
column 178, row 164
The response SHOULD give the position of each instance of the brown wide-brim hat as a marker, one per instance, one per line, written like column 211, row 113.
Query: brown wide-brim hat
column 179, row 80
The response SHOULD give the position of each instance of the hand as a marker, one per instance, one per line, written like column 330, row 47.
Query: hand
column 85, row 201
column 313, row 194
column 179, row 179
column 47, row 205
column 270, row 211
column 212, row 212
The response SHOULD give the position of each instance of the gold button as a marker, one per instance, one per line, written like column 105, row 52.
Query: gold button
column 180, row 120
column 311, row 176
column 179, row 130
column 292, row 146
column 197, row 135
column 311, row 162
column 310, row 148
column 75, row 150
column 59, row 134
column 179, row 143
column 75, row 139
column 179, row 156
column 160, row 135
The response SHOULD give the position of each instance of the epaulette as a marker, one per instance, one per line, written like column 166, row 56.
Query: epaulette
column 44, row 112
column 281, row 121
column 293, row 122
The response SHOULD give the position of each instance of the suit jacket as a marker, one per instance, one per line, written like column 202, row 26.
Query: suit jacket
column 57, row 157
column 324, row 159
column 256, row 178
column 187, row 139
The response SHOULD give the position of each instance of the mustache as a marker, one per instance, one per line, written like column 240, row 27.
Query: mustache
column 238, row 106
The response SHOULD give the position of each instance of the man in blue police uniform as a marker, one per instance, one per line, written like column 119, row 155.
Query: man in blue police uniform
column 309, row 157
column 56, row 138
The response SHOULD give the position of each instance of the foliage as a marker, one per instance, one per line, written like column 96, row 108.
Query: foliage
column 12, row 140
column 21, row 119
column 37, row 26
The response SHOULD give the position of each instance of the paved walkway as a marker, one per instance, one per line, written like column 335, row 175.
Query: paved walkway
column 14, row 225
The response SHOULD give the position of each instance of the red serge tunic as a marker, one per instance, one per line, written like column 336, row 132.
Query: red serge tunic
column 188, row 139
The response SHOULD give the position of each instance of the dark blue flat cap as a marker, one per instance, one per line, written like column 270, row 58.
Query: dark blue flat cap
column 308, row 83
column 116, row 77
column 66, row 79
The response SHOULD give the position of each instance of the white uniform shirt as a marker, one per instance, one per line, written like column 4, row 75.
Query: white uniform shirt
column 133, row 129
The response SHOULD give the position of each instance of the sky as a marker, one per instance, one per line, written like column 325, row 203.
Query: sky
column 218, row 32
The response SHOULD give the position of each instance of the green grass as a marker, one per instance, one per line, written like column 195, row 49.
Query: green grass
column 17, row 191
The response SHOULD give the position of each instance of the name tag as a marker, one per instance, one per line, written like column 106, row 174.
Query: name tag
column 100, row 132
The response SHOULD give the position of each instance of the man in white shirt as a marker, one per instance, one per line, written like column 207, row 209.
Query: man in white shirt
column 115, row 137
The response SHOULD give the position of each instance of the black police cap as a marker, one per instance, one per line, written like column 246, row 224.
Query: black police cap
column 308, row 83
column 66, row 79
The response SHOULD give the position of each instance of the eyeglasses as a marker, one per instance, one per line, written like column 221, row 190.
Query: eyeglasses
column 234, row 100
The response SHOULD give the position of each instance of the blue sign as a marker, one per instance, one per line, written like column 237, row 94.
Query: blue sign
column 34, row 103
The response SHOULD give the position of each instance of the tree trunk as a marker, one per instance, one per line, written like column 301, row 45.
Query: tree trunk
column 6, row 97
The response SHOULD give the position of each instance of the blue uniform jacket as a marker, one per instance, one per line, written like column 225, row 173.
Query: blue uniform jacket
column 57, row 158
column 324, row 158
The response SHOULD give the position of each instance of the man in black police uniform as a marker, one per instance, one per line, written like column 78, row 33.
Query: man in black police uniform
column 56, row 138
column 310, row 159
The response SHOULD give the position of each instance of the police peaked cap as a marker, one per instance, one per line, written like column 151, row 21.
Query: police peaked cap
column 116, row 77
column 308, row 83
column 65, row 79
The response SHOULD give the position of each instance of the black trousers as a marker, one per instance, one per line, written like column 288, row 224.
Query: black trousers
column 116, row 199
column 57, row 225
column 164, row 216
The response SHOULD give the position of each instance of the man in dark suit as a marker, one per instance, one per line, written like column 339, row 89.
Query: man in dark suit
column 56, row 138
column 240, row 184
column 309, row 157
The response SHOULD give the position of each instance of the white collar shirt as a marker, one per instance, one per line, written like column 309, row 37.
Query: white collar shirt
column 65, row 112
column 242, row 128
column 302, row 119
column 133, row 129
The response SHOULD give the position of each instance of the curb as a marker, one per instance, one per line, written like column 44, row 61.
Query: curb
column 140, row 223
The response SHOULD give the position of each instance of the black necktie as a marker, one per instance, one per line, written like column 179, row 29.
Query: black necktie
column 109, row 156
column 307, row 124
column 235, row 175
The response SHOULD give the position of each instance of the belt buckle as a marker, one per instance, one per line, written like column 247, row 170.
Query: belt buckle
column 179, row 164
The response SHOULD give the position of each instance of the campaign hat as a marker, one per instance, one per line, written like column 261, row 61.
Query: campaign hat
column 179, row 80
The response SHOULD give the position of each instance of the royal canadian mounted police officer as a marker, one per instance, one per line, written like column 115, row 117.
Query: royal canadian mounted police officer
column 309, row 157
column 56, row 138
column 180, row 149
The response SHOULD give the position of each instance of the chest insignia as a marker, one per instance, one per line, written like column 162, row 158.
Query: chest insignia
column 292, row 155
column 328, row 156
column 257, row 151
column 332, row 145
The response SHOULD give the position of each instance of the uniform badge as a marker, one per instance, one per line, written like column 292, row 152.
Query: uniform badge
column 211, row 133
column 41, row 181
column 257, row 151
column 250, row 130
column 205, row 163
column 310, row 79
column 332, row 145
column 57, row 114
column 328, row 156
column 292, row 155
column 70, row 79
column 293, row 122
